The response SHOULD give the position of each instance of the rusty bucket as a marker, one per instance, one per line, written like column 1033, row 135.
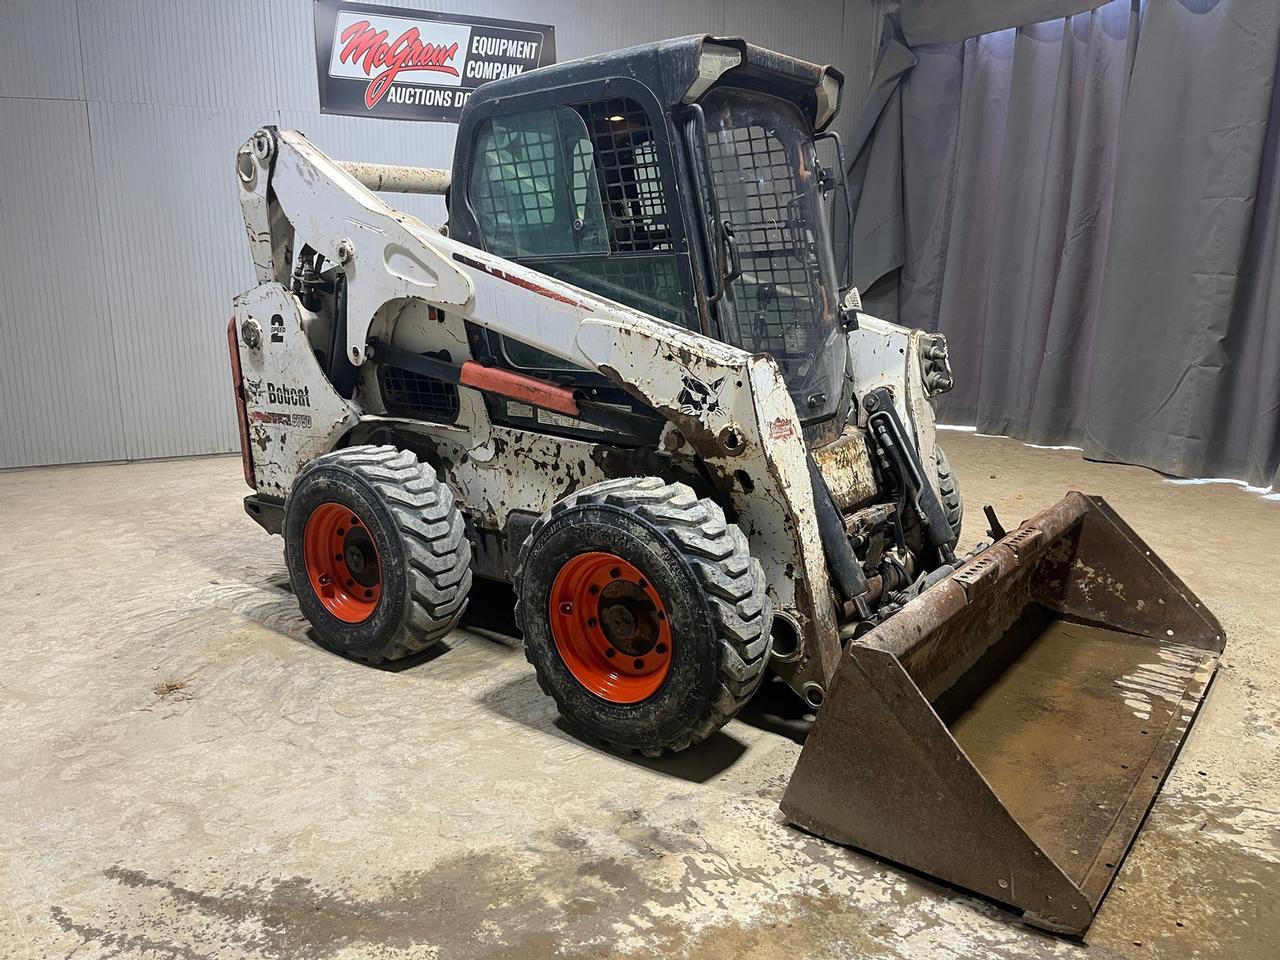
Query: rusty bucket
column 1008, row 730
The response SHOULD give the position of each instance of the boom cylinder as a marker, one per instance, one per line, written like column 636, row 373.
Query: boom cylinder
column 395, row 178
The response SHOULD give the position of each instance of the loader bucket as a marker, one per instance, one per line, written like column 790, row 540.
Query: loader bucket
column 1008, row 729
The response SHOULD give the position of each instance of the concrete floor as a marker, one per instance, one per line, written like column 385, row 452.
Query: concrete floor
column 185, row 774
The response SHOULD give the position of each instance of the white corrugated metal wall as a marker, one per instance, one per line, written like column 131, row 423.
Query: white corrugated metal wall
column 121, row 243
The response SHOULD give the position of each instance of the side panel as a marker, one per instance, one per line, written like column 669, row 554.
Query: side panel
column 294, row 414
column 478, row 460
column 883, row 354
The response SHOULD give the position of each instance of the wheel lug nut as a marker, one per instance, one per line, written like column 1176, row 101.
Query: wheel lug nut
column 591, row 622
column 610, row 652
column 615, row 573
column 566, row 608
column 341, row 532
column 639, row 664
column 661, row 648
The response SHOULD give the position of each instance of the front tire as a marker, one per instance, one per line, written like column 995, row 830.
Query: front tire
column 377, row 553
column 949, row 491
column 644, row 614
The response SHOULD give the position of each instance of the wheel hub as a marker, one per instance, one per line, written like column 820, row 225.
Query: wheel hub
column 610, row 627
column 342, row 562
column 361, row 557
column 629, row 618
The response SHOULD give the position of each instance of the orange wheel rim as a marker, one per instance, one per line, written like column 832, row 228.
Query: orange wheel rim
column 610, row 627
column 342, row 562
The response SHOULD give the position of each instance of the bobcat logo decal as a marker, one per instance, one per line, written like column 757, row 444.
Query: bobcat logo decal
column 698, row 397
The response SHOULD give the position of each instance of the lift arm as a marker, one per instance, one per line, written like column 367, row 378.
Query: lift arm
column 731, row 407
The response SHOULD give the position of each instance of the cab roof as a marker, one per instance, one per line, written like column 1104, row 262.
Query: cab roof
column 681, row 70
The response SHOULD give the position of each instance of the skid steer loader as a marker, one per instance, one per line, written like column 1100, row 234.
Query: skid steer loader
column 627, row 379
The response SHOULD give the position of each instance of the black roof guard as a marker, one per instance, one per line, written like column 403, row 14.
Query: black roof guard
column 681, row 70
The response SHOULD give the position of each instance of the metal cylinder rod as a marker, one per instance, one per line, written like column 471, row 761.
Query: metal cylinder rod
column 394, row 178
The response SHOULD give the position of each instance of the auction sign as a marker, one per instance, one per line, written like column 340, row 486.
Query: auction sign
column 390, row 62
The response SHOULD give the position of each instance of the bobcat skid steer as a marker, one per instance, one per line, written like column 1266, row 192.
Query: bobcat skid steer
column 626, row 379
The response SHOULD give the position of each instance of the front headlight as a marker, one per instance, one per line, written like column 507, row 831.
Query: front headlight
column 935, row 364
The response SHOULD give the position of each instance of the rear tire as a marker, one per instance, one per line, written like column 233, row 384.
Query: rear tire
column 377, row 554
column 949, row 491
column 614, row 573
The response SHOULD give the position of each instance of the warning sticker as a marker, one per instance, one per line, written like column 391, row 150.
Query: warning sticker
column 553, row 419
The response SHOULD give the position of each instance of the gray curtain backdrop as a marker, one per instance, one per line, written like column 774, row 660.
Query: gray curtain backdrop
column 944, row 21
column 1186, row 368
column 1092, row 220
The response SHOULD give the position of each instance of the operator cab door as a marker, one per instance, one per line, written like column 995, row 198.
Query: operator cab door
column 765, row 232
column 579, row 184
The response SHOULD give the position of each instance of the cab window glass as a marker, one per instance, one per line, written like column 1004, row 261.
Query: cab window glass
column 577, row 193
column 533, row 186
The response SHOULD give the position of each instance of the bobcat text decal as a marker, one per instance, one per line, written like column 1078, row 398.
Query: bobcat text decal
column 289, row 396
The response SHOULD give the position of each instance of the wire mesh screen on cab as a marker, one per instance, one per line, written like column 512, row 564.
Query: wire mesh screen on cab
column 757, row 194
column 578, row 193
column 764, row 173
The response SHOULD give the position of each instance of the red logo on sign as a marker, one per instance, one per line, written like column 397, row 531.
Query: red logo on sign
column 408, row 52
